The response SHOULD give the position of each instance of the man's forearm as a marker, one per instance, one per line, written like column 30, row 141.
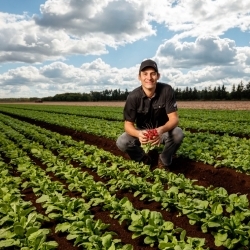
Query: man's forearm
column 171, row 124
column 131, row 130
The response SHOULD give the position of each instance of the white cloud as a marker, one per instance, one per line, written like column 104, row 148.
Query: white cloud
column 24, row 41
column 72, row 27
column 59, row 77
column 204, row 17
column 195, row 55
column 206, row 50
column 117, row 21
column 209, row 61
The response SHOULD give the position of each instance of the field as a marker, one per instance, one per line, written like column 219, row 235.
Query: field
column 235, row 179
column 225, row 105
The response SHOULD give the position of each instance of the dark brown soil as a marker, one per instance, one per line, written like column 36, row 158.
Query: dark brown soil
column 205, row 175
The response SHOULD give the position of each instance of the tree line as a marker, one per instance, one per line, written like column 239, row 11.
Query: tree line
column 93, row 96
column 238, row 92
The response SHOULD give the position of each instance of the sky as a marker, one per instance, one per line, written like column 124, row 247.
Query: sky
column 78, row 46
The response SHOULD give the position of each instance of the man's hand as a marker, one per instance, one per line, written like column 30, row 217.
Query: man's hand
column 155, row 140
column 143, row 137
column 149, row 136
column 149, row 139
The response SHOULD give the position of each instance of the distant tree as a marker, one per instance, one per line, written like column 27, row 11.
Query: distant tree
column 246, row 92
column 223, row 94
column 85, row 97
column 124, row 95
column 233, row 92
column 178, row 94
column 194, row 94
column 95, row 96
column 239, row 90
column 204, row 94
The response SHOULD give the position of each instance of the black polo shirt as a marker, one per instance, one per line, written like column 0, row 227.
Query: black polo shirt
column 150, row 113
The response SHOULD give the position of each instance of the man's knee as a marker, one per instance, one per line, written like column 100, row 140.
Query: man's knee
column 119, row 143
column 178, row 135
column 122, row 142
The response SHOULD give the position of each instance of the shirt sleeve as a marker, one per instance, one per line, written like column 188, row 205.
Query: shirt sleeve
column 171, row 105
column 129, row 111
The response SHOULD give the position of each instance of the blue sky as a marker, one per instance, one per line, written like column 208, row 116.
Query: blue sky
column 58, row 46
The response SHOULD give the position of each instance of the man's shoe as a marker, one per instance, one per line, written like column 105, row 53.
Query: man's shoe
column 161, row 165
column 146, row 159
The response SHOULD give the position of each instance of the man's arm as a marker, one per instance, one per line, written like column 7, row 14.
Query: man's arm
column 170, row 124
column 129, row 128
column 173, row 121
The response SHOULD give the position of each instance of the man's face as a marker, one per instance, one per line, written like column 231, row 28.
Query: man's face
column 148, row 78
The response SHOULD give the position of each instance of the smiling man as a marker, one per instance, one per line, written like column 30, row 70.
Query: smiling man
column 151, row 106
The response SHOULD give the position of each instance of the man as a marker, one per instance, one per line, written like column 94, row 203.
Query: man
column 152, row 105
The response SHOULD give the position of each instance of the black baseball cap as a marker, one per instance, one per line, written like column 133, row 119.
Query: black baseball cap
column 148, row 63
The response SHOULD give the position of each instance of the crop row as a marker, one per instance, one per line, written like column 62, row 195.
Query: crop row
column 205, row 120
column 73, row 214
column 199, row 204
column 108, row 112
column 228, row 151
column 21, row 225
column 145, row 223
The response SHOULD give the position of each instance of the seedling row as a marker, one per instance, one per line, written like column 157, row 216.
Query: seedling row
column 213, row 149
column 223, row 215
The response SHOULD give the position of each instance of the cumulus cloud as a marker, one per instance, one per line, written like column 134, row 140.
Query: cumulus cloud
column 206, row 50
column 206, row 17
column 119, row 19
column 209, row 61
column 67, row 27
column 59, row 77
column 24, row 41
column 196, row 54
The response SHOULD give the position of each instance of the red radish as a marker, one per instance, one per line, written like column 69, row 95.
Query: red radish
column 150, row 134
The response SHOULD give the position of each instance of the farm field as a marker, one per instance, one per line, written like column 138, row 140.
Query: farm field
column 211, row 177
column 225, row 105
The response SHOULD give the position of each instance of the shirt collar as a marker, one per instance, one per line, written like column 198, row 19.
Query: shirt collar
column 144, row 95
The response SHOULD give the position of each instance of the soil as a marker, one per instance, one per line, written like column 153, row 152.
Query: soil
column 205, row 175
column 226, row 105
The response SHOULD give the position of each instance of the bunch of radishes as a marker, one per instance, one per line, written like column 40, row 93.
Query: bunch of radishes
column 150, row 134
